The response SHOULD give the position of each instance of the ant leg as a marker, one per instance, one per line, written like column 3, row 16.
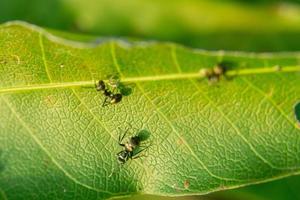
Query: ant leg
column 139, row 156
column 104, row 102
column 146, row 146
column 119, row 153
column 136, row 157
column 140, row 151
column 121, row 138
column 113, row 91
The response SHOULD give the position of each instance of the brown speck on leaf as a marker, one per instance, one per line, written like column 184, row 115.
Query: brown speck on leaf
column 16, row 59
column 50, row 101
column 2, row 61
column 180, row 141
column 186, row 184
column 222, row 187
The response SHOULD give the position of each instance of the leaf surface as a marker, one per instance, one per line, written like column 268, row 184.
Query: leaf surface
column 58, row 142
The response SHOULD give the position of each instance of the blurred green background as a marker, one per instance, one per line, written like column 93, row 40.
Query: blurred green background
column 253, row 25
column 237, row 25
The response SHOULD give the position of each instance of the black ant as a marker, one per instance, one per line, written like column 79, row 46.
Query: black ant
column 114, row 97
column 214, row 74
column 131, row 148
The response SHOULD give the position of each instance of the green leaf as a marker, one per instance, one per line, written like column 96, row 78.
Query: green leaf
column 57, row 142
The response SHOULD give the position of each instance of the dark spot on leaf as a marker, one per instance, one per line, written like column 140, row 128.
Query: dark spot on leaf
column 186, row 184
column 2, row 61
column 297, row 112
column 228, row 65
column 50, row 101
column 180, row 141
column 16, row 59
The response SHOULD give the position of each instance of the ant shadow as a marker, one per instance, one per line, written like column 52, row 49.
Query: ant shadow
column 126, row 89
column 228, row 66
column 297, row 112
column 143, row 135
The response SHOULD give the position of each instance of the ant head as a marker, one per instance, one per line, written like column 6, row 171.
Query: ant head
column 114, row 80
column 100, row 85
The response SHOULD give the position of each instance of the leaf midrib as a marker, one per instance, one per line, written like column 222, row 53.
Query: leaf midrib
column 165, row 77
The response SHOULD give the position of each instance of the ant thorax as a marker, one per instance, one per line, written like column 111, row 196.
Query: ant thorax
column 129, row 147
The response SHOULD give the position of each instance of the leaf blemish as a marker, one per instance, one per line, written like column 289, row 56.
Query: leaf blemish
column 3, row 61
column 50, row 100
column 11, row 59
column 186, row 184
column 17, row 59
column 180, row 141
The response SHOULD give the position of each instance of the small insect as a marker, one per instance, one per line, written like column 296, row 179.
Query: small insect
column 132, row 148
column 214, row 74
column 111, row 95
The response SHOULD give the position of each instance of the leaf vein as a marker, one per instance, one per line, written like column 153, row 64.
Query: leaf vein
column 41, row 43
